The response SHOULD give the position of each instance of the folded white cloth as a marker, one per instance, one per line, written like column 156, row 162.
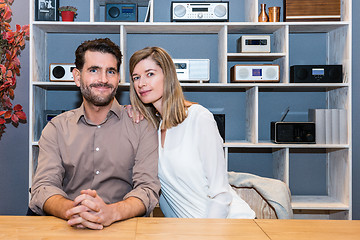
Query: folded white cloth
column 274, row 191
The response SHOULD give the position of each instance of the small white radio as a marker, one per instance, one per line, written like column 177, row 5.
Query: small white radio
column 254, row 43
column 255, row 73
column 61, row 72
column 192, row 69
column 200, row 11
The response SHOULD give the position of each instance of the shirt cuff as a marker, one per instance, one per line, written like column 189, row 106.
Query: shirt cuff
column 40, row 195
column 147, row 197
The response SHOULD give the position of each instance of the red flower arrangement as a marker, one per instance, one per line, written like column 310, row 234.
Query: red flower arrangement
column 11, row 44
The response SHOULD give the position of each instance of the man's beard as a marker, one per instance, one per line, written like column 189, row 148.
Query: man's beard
column 96, row 99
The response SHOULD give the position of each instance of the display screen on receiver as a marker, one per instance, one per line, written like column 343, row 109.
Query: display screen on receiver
column 256, row 42
column 127, row 10
column 257, row 72
column 180, row 65
column 200, row 9
column 318, row 71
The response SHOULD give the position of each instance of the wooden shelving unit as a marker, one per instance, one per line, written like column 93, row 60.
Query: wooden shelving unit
column 336, row 204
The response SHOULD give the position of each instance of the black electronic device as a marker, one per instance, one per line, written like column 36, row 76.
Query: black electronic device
column 121, row 12
column 293, row 132
column 316, row 74
column 220, row 121
column 50, row 114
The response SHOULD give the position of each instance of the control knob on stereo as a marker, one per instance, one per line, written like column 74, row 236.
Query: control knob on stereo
column 220, row 11
column 114, row 12
column 179, row 11
column 200, row 15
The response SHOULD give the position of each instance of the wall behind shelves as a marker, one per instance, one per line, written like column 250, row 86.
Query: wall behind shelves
column 356, row 110
column 14, row 143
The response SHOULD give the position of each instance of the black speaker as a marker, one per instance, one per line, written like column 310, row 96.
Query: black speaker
column 316, row 74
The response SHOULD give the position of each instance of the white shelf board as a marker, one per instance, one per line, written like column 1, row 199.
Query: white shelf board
column 316, row 27
column 215, row 86
column 165, row 28
column 268, row 144
column 317, row 203
column 254, row 56
column 78, row 27
column 141, row 3
column 187, row 27
column 254, row 27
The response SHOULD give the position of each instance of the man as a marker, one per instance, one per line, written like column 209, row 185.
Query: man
column 95, row 165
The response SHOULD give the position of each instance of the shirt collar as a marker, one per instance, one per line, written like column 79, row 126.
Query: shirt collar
column 115, row 109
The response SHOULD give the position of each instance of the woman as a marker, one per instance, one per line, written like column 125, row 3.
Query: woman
column 192, row 169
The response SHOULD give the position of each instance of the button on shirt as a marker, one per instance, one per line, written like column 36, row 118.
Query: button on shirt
column 117, row 158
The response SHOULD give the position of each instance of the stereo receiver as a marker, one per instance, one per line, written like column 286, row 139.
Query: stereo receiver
column 192, row 69
column 255, row 73
column 61, row 72
column 120, row 12
column 254, row 43
column 293, row 132
column 199, row 11
column 316, row 74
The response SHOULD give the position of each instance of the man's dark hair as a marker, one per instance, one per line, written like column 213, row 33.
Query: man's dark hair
column 103, row 45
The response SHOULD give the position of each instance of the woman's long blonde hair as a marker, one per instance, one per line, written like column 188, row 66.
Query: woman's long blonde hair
column 173, row 101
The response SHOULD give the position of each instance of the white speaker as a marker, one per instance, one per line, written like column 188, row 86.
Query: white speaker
column 192, row 69
column 61, row 72
column 255, row 73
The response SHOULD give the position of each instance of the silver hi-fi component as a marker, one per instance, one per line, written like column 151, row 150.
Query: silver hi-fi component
column 61, row 72
column 199, row 11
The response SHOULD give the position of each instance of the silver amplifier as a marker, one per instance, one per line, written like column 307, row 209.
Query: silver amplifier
column 197, row 70
column 254, row 43
column 199, row 11
column 255, row 73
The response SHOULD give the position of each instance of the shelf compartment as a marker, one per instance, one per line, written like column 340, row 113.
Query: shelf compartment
column 316, row 27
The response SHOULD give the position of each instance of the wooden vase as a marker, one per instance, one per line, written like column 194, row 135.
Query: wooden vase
column 263, row 17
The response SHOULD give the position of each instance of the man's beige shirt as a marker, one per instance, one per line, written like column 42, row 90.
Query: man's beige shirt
column 117, row 158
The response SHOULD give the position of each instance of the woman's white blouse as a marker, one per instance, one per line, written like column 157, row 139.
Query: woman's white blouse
column 192, row 171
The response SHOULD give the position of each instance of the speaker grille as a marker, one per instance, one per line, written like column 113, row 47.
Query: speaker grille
column 179, row 11
column 197, row 69
column 242, row 73
column 270, row 74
